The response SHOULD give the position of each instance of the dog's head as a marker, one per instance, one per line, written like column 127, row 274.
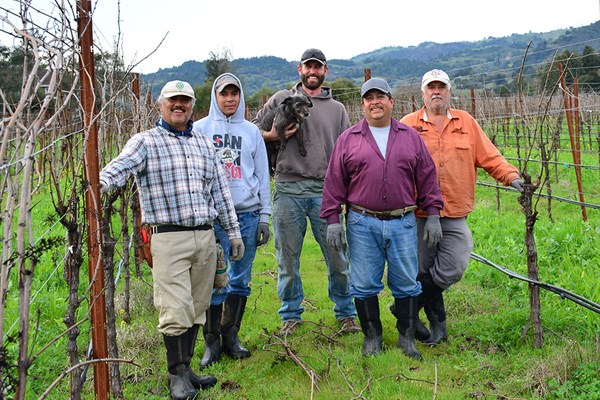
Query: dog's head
column 299, row 103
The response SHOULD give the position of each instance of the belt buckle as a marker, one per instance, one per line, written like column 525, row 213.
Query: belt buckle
column 385, row 215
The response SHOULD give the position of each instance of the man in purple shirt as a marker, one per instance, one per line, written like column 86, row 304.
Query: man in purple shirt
column 381, row 171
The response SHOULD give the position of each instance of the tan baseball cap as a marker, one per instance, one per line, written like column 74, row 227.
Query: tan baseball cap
column 177, row 88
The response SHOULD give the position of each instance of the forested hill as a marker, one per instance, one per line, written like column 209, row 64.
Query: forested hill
column 500, row 58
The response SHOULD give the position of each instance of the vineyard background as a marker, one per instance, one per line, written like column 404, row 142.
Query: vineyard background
column 50, row 199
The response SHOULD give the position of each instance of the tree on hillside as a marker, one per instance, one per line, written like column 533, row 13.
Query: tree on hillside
column 217, row 64
column 586, row 68
column 345, row 91
column 259, row 98
column 590, row 79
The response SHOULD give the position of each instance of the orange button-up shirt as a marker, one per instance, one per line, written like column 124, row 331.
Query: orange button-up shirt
column 458, row 150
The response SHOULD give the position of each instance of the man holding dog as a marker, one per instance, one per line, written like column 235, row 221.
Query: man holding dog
column 239, row 145
column 458, row 146
column 183, row 189
column 382, row 172
column 298, row 191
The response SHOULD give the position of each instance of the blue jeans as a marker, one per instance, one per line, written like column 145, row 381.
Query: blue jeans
column 372, row 243
column 240, row 272
column 289, row 228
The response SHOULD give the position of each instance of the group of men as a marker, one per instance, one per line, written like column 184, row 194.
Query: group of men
column 381, row 192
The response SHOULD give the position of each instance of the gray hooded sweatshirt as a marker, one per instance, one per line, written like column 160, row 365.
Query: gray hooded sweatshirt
column 240, row 145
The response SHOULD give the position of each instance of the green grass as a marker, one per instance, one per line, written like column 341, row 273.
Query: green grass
column 489, row 353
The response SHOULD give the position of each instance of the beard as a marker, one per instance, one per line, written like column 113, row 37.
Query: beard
column 312, row 85
column 439, row 107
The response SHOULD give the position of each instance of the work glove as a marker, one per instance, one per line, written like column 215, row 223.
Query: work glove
column 262, row 233
column 237, row 249
column 335, row 236
column 103, row 187
column 433, row 230
column 517, row 184
column 221, row 276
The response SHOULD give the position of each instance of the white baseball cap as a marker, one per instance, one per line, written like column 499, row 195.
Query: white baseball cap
column 435, row 75
column 177, row 88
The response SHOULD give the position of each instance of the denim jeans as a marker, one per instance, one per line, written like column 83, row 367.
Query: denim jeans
column 289, row 228
column 239, row 272
column 372, row 243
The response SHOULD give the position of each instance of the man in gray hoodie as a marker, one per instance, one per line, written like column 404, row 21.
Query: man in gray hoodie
column 239, row 145
column 298, row 190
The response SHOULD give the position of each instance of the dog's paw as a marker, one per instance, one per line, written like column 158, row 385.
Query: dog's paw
column 302, row 151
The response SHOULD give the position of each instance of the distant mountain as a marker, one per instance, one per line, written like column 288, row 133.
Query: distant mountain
column 501, row 57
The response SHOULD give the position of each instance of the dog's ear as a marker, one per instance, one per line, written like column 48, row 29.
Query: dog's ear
column 287, row 100
column 306, row 99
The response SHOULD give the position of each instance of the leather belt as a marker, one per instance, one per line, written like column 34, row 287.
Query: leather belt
column 383, row 215
column 179, row 228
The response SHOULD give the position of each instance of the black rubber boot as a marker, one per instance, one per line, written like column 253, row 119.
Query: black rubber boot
column 406, row 312
column 421, row 331
column 230, row 326
column 199, row 382
column 436, row 314
column 178, row 363
column 212, row 336
column 370, row 323
column 432, row 299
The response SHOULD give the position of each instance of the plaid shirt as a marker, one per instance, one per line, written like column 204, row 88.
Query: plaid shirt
column 181, row 180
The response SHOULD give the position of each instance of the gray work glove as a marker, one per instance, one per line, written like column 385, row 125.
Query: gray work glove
column 103, row 187
column 517, row 184
column 221, row 276
column 433, row 230
column 335, row 236
column 262, row 233
column 237, row 249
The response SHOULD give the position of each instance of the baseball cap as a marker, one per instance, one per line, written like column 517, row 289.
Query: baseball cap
column 224, row 80
column 313, row 54
column 375, row 83
column 435, row 75
column 177, row 88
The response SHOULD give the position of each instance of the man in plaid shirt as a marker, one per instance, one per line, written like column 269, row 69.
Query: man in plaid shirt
column 183, row 188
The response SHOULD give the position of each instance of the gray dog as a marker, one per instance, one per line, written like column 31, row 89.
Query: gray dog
column 293, row 109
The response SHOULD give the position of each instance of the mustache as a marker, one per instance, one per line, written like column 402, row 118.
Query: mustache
column 437, row 97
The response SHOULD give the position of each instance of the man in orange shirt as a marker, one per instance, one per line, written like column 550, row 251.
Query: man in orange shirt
column 458, row 147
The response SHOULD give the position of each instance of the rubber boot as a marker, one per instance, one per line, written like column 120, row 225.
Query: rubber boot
column 432, row 299
column 406, row 312
column 436, row 314
column 370, row 323
column 421, row 332
column 230, row 326
column 178, row 363
column 199, row 382
column 212, row 336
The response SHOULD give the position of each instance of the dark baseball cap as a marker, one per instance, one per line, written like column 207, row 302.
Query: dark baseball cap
column 313, row 54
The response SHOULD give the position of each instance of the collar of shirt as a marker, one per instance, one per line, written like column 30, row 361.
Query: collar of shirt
column 186, row 132
column 426, row 117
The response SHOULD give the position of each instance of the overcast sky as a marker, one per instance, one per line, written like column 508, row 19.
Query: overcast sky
column 191, row 29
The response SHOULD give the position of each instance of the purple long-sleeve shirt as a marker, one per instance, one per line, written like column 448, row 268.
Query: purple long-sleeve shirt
column 359, row 174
